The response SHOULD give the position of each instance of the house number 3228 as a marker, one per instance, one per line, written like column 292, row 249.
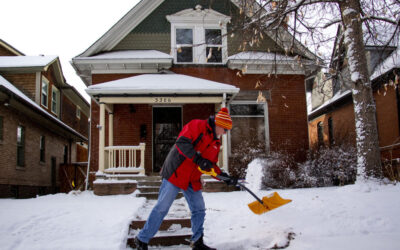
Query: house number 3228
column 162, row 100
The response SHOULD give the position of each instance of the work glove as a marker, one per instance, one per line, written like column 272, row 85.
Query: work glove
column 204, row 164
column 232, row 181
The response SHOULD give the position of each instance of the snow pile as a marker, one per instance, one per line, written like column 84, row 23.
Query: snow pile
column 361, row 216
column 254, row 175
column 67, row 221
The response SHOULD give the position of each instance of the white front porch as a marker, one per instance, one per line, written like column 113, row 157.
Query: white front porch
column 155, row 90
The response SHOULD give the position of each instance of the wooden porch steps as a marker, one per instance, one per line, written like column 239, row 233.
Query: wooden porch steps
column 149, row 188
column 174, row 231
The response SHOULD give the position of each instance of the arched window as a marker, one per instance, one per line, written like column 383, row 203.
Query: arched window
column 320, row 131
column 330, row 127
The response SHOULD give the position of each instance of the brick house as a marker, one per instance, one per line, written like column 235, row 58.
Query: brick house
column 331, row 120
column 168, row 62
column 43, row 123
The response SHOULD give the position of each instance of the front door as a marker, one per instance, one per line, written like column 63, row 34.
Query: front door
column 167, row 123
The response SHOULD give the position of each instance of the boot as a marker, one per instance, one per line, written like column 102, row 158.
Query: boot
column 140, row 245
column 199, row 245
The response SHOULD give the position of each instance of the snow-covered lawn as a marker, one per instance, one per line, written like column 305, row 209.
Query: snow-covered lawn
column 361, row 216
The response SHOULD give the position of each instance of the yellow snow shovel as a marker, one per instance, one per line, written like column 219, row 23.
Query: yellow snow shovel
column 267, row 203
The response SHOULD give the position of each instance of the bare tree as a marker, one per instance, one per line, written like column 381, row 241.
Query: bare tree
column 374, row 20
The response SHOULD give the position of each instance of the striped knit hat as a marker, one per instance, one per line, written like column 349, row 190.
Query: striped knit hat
column 223, row 119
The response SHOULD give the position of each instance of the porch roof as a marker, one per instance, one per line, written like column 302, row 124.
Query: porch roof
column 161, row 84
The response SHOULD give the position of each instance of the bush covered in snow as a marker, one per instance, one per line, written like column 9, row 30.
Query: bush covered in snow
column 325, row 167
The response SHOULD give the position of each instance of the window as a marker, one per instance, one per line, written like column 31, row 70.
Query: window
column 20, row 146
column 42, row 148
column 320, row 131
column 330, row 127
column 249, row 131
column 78, row 112
column 45, row 91
column 214, row 45
column 1, row 128
column 184, row 43
column 199, row 36
column 55, row 100
column 65, row 154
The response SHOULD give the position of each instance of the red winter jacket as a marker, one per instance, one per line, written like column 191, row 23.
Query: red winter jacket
column 196, row 136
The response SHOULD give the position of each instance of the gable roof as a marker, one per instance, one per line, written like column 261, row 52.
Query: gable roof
column 7, row 86
column 140, row 11
column 31, row 64
column 10, row 48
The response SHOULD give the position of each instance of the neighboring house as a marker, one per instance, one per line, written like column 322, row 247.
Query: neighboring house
column 43, row 123
column 168, row 62
column 332, row 121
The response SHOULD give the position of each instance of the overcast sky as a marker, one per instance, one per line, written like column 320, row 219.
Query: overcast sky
column 65, row 28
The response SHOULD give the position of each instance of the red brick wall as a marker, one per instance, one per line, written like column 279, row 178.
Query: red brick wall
column 287, row 111
column 343, row 127
column 35, row 173
column 388, row 121
column 68, row 116
column 344, row 124
column 24, row 82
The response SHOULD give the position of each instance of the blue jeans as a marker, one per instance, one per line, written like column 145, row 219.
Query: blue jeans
column 166, row 196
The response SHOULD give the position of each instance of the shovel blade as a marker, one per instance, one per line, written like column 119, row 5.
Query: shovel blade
column 270, row 202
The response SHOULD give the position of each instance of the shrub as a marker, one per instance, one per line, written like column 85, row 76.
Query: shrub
column 324, row 167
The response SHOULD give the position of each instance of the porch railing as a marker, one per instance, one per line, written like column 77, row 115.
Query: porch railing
column 124, row 159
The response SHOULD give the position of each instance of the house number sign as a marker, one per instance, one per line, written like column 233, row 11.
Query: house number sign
column 162, row 100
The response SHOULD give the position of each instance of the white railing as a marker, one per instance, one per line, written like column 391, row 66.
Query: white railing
column 123, row 159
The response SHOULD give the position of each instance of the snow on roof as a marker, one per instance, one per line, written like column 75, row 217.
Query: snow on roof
column 25, row 61
column 12, row 88
column 335, row 98
column 253, row 55
column 136, row 54
column 162, row 84
column 391, row 62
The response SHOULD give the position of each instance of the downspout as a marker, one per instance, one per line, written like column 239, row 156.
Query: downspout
column 398, row 105
column 89, row 149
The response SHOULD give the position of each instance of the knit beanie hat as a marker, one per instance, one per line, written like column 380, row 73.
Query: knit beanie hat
column 223, row 119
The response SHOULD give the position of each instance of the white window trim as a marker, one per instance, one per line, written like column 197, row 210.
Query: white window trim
column 266, row 123
column 199, row 20
column 78, row 112
column 57, row 92
column 47, row 82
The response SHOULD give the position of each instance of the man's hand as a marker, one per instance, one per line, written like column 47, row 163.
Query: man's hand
column 231, row 181
column 204, row 164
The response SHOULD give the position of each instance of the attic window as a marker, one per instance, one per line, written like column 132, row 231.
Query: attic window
column 184, row 43
column 199, row 36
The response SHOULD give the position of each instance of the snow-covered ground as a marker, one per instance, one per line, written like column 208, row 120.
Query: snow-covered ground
column 361, row 216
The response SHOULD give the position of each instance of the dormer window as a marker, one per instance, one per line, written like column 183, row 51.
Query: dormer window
column 184, row 43
column 214, row 45
column 198, row 36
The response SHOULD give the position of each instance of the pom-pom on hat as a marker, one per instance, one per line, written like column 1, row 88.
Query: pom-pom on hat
column 223, row 119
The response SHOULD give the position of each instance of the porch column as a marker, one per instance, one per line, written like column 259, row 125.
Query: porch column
column 102, row 137
column 225, row 143
column 111, row 129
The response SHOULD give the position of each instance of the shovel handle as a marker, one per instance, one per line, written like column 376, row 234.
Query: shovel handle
column 212, row 173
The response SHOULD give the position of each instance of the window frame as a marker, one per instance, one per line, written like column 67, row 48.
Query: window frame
column 320, row 134
column 45, row 82
column 1, row 128
column 199, row 46
column 21, row 146
column 54, row 90
column 42, row 148
column 264, row 116
column 212, row 45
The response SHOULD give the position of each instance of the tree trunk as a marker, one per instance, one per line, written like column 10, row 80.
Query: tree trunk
column 368, row 153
